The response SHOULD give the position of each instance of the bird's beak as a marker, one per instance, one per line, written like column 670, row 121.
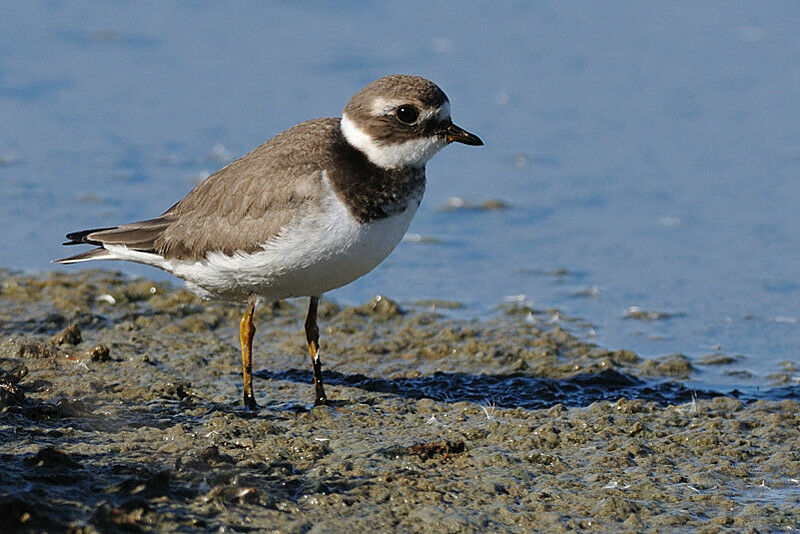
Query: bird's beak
column 455, row 133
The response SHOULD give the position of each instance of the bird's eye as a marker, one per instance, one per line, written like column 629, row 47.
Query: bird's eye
column 407, row 114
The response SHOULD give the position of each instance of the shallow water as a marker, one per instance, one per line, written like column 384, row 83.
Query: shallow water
column 647, row 154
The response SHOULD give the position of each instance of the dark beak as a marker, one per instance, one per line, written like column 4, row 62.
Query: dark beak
column 457, row 134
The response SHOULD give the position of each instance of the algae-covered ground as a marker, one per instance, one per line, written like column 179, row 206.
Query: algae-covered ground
column 120, row 409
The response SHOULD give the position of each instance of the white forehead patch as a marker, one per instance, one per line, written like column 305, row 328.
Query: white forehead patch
column 444, row 111
column 384, row 106
column 410, row 153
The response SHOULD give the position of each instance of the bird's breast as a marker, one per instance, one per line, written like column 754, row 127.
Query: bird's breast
column 320, row 250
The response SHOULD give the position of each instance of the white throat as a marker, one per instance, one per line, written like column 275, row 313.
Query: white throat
column 411, row 153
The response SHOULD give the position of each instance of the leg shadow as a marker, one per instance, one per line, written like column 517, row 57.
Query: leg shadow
column 513, row 390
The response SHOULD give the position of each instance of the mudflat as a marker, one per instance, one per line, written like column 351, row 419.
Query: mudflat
column 120, row 408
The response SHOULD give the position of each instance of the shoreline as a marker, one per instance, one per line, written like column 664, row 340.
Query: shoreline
column 128, row 414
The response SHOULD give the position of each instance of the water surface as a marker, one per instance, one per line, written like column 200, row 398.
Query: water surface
column 648, row 154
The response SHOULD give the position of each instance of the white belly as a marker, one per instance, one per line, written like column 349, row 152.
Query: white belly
column 319, row 252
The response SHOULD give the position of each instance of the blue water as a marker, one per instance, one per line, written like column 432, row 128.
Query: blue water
column 649, row 153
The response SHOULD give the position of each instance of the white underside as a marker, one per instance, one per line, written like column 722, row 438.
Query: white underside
column 318, row 252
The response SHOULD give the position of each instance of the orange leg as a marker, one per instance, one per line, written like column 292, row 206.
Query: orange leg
column 312, row 336
column 246, row 332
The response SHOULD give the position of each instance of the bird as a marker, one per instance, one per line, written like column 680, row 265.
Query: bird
column 308, row 211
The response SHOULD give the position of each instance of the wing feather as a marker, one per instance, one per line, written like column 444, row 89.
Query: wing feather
column 238, row 208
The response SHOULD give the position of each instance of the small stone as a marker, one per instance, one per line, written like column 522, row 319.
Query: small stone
column 35, row 349
column 98, row 353
column 383, row 308
column 51, row 458
column 636, row 313
column 624, row 356
column 672, row 365
column 71, row 335
column 442, row 449
column 10, row 393
column 635, row 428
column 717, row 358
column 178, row 389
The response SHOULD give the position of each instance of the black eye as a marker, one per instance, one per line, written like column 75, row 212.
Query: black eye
column 407, row 114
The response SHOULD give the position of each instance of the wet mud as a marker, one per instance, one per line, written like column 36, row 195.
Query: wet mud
column 120, row 409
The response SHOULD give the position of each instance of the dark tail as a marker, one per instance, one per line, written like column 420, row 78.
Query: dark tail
column 81, row 237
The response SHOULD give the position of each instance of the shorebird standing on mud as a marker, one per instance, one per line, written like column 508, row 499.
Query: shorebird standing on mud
column 310, row 210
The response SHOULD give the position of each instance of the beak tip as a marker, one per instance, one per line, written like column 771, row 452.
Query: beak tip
column 472, row 140
column 459, row 135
